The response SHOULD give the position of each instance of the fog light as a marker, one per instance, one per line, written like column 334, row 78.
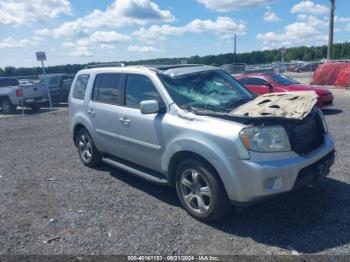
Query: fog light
column 269, row 183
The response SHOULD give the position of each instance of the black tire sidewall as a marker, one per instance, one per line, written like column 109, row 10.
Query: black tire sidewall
column 9, row 105
column 35, row 108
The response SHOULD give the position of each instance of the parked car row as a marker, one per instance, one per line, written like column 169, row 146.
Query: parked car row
column 271, row 82
column 14, row 92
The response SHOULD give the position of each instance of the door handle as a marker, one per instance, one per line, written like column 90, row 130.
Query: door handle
column 125, row 120
column 91, row 112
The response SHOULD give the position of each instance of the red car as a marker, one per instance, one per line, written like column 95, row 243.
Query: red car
column 264, row 83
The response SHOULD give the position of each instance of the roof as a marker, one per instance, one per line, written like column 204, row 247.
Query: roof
column 179, row 70
column 170, row 70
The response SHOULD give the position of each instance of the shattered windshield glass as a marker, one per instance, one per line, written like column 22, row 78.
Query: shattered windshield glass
column 208, row 90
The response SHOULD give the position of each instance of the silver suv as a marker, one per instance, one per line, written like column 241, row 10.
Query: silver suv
column 196, row 128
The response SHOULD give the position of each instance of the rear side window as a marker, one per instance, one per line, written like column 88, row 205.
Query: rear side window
column 139, row 88
column 256, row 81
column 4, row 82
column 107, row 88
column 80, row 86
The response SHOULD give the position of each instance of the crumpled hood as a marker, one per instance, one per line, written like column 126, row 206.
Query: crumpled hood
column 291, row 105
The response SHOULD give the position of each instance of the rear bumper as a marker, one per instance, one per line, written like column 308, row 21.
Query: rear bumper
column 34, row 101
column 260, row 179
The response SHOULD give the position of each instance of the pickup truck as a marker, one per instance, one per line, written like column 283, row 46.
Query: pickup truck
column 59, row 86
column 12, row 94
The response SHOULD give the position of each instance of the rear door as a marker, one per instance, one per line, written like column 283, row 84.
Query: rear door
column 141, row 136
column 103, row 111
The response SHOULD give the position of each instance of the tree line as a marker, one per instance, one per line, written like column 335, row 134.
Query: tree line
column 340, row 51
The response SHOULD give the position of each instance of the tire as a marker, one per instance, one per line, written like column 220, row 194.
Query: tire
column 206, row 199
column 7, row 107
column 35, row 108
column 87, row 150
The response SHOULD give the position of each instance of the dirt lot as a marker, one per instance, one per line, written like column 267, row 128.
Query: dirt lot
column 107, row 211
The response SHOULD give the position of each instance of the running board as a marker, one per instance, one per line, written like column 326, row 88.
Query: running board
column 148, row 175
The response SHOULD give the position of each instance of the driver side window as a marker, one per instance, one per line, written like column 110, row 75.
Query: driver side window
column 140, row 88
column 256, row 81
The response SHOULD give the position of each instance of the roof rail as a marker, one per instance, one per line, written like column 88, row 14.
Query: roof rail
column 104, row 65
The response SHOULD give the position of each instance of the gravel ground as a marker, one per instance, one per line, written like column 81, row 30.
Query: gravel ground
column 45, row 192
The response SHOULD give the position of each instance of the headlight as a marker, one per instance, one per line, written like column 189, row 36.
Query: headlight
column 265, row 139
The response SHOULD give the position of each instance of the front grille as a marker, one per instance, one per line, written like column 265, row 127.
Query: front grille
column 306, row 135
column 311, row 173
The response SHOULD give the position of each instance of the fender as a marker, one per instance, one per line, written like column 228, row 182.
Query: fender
column 210, row 152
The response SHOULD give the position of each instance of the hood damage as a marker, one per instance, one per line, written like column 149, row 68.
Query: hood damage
column 290, row 105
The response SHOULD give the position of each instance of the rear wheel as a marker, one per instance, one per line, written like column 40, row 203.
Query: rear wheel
column 35, row 108
column 200, row 190
column 88, row 152
column 7, row 107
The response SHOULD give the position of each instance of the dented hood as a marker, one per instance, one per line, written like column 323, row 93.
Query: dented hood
column 292, row 105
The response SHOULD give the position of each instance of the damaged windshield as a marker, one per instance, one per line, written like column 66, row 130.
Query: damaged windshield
column 212, row 90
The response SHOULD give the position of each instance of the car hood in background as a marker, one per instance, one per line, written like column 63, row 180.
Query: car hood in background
column 301, row 87
column 291, row 105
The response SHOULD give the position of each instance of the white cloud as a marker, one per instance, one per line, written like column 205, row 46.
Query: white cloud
column 10, row 42
column 298, row 33
column 143, row 49
column 107, row 37
column 119, row 13
column 348, row 27
column 271, row 16
column 103, row 39
column 24, row 12
column 222, row 26
column 309, row 7
column 78, row 51
column 230, row 5
column 342, row 19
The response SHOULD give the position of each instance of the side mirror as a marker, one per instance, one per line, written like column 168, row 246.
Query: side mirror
column 149, row 107
column 271, row 87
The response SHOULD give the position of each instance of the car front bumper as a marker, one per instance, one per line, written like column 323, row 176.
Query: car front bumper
column 261, row 177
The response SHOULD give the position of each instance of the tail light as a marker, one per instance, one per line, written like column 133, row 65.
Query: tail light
column 19, row 92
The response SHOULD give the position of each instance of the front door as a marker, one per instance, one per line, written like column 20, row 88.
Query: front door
column 141, row 136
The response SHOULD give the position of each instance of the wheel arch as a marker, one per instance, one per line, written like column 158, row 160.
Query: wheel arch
column 180, row 156
column 76, row 129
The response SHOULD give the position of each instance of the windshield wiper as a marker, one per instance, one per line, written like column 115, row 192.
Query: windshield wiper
column 201, row 111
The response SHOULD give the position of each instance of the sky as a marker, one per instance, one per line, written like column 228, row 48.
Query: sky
column 82, row 31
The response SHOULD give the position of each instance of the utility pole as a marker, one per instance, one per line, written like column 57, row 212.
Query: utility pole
column 331, row 30
column 235, row 49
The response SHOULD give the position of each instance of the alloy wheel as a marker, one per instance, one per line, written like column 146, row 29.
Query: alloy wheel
column 196, row 191
column 85, row 148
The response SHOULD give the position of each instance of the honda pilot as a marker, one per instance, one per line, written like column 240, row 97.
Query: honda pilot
column 196, row 128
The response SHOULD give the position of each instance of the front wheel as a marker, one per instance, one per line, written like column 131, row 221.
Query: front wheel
column 201, row 191
column 88, row 152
